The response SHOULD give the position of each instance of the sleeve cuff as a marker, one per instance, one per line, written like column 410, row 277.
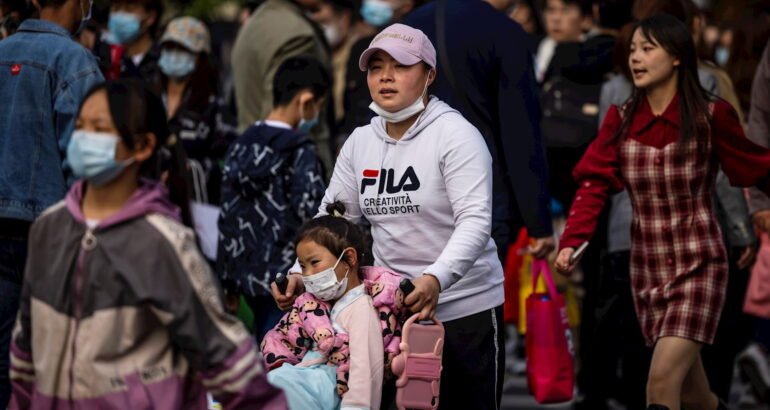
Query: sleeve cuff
column 444, row 275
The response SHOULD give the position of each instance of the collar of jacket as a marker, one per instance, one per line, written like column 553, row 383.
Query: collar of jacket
column 44, row 26
column 150, row 197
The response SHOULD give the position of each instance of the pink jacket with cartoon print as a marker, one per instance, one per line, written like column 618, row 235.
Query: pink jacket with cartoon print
column 309, row 321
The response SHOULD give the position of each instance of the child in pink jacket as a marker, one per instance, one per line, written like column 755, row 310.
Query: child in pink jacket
column 330, row 343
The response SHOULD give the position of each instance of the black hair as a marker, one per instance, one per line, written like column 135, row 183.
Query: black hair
column 150, row 5
column 353, row 6
column 336, row 233
column 297, row 74
column 674, row 8
column 534, row 16
column 584, row 6
column 203, row 84
column 614, row 14
column 24, row 8
column 671, row 34
column 50, row 3
column 137, row 111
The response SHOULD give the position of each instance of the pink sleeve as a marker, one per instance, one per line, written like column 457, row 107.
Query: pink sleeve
column 366, row 355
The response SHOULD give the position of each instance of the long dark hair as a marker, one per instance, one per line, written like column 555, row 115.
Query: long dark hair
column 669, row 33
column 136, row 111
column 203, row 84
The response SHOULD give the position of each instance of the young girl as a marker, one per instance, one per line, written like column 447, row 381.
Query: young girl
column 329, row 250
column 119, row 310
column 665, row 146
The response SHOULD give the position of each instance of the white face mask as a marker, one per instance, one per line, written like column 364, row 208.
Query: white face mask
column 324, row 285
column 403, row 114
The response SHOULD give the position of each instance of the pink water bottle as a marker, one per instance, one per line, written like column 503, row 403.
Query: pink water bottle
column 418, row 366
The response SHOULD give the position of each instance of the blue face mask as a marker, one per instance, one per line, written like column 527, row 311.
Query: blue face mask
column 377, row 12
column 123, row 26
column 86, row 17
column 306, row 125
column 91, row 156
column 722, row 55
column 176, row 63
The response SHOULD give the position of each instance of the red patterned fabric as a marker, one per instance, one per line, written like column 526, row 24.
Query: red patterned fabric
column 678, row 261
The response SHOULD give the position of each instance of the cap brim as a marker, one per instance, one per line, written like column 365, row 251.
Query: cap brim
column 398, row 54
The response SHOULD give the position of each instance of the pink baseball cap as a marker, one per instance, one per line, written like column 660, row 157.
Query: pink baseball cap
column 405, row 44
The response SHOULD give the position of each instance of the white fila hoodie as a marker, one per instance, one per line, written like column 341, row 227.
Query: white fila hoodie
column 428, row 197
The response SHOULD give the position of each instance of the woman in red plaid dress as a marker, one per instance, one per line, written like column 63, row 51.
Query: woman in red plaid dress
column 665, row 146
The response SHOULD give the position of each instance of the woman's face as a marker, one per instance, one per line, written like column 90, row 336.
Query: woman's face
column 650, row 63
column 394, row 86
column 314, row 258
column 95, row 117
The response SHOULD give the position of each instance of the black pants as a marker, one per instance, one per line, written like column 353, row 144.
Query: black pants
column 620, row 360
column 474, row 362
column 734, row 331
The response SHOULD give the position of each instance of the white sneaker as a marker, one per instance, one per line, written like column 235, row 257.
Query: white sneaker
column 754, row 366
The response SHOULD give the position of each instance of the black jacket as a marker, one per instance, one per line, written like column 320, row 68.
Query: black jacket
column 492, row 64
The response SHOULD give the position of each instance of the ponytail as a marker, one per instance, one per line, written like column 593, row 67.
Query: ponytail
column 336, row 233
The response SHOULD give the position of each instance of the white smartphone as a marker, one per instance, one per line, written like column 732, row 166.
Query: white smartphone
column 578, row 253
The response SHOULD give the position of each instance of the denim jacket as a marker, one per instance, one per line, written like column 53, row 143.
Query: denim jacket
column 44, row 76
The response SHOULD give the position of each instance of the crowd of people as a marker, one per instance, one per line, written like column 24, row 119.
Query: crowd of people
column 219, row 212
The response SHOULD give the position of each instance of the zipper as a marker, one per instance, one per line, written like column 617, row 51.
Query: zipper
column 87, row 243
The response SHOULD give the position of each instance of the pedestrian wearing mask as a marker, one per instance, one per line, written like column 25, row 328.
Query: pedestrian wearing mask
column 422, row 176
column 342, row 27
column 276, row 31
column 188, row 85
column 665, row 146
column 272, row 184
column 44, row 77
column 116, row 291
column 376, row 14
column 133, row 26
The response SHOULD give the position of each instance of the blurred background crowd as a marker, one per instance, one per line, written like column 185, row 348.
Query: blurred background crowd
column 214, row 68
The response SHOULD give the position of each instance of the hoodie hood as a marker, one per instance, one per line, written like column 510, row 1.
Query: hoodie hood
column 253, row 160
column 150, row 197
column 435, row 109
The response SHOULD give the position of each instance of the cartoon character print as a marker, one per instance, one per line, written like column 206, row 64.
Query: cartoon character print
column 342, row 387
column 321, row 335
column 294, row 316
column 375, row 288
column 337, row 357
column 304, row 339
column 293, row 349
column 313, row 307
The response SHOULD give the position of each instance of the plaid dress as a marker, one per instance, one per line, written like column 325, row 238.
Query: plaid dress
column 678, row 261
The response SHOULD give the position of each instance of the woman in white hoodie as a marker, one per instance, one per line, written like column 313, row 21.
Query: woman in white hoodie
column 422, row 176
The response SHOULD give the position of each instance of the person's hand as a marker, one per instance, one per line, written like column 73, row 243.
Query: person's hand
column 542, row 247
column 562, row 261
column 747, row 257
column 424, row 297
column 762, row 220
column 293, row 289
